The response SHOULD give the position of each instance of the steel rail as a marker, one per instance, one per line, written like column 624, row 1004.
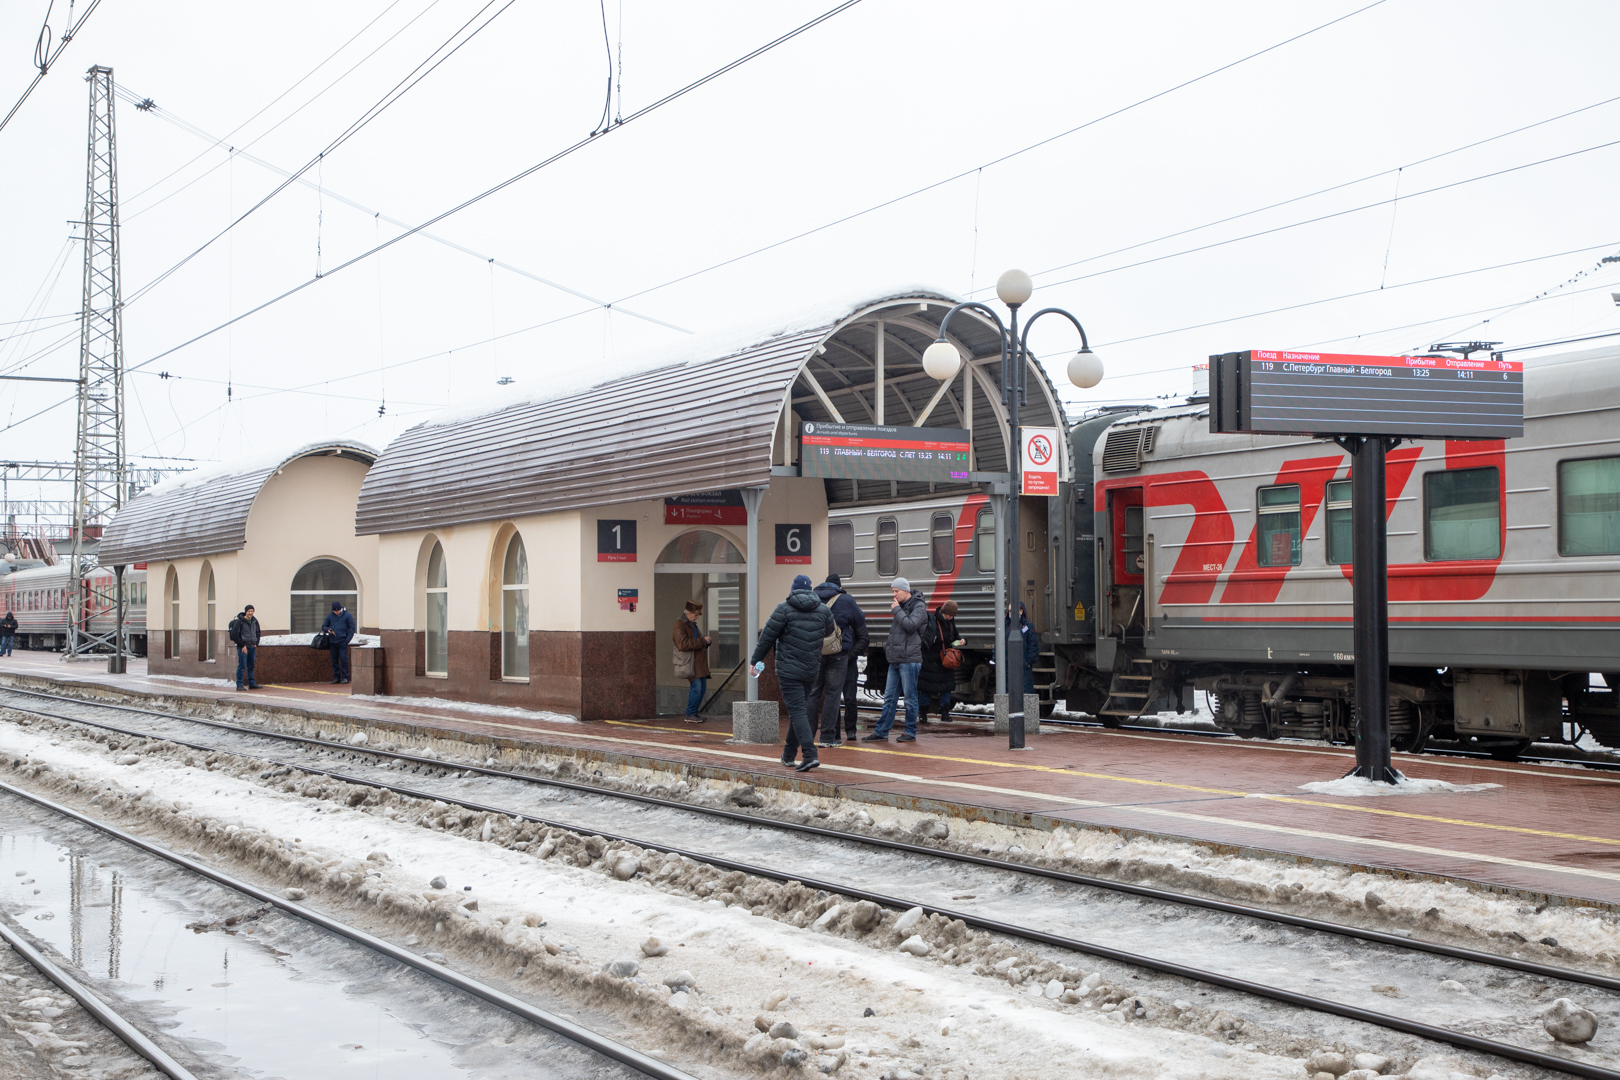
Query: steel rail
column 1288, row 997
column 1529, row 967
column 133, row 1037
column 516, row 1006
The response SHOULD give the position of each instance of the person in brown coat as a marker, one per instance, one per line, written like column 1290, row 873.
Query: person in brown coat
column 692, row 658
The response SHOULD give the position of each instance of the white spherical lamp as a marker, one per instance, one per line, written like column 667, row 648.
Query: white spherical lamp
column 1014, row 287
column 941, row 360
column 1085, row 370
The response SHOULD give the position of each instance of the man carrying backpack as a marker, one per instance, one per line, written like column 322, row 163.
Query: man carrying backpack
column 796, row 629
column 244, row 631
column 851, row 623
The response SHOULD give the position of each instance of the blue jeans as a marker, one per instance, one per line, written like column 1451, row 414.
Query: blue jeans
column 244, row 666
column 902, row 678
column 5, row 644
column 694, row 696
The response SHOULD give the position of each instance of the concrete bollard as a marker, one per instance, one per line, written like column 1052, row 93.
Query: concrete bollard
column 1032, row 714
column 755, row 722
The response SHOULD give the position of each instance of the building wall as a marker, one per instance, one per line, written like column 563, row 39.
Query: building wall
column 303, row 512
column 588, row 656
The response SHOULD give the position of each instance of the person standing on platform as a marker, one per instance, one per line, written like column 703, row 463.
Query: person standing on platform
column 8, row 632
column 244, row 631
column 852, row 675
column 692, row 659
column 796, row 630
column 903, row 650
column 340, row 624
column 936, row 682
column 851, row 623
column 1032, row 645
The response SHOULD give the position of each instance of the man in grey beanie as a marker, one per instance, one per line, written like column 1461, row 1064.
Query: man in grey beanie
column 903, row 650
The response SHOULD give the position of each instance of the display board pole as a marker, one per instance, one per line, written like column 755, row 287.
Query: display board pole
column 1369, row 556
column 1012, row 386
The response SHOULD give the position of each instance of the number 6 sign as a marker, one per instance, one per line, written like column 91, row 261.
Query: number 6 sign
column 793, row 543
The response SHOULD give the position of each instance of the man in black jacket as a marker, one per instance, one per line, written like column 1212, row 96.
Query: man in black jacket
column 903, row 650
column 8, row 632
column 244, row 631
column 851, row 621
column 796, row 630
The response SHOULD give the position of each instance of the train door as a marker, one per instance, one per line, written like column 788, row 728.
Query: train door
column 1127, row 563
column 1035, row 563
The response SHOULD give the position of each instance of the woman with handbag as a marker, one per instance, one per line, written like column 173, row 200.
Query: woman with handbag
column 942, row 657
column 692, row 659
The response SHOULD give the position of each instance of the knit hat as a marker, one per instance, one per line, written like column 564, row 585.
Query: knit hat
column 337, row 605
column 948, row 609
column 900, row 583
column 800, row 581
column 834, row 579
column 694, row 607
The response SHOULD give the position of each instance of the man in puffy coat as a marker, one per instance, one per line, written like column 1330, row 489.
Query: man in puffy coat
column 903, row 651
column 8, row 632
column 340, row 624
column 245, row 633
column 852, row 629
column 796, row 630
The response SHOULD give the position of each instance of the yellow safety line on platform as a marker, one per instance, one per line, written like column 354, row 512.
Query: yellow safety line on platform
column 305, row 690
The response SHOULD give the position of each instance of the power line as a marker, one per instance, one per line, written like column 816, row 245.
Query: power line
column 999, row 160
column 398, row 91
column 45, row 66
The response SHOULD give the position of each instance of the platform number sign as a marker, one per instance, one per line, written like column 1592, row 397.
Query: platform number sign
column 616, row 540
column 792, row 544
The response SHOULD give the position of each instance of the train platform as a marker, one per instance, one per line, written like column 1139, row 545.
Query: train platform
column 1548, row 832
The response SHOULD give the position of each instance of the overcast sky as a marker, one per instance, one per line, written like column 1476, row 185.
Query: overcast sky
column 884, row 99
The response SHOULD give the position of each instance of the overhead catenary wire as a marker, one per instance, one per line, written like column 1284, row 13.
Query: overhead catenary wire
column 49, row 61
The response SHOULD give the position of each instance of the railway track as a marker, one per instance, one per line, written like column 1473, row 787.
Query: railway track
column 251, row 743
column 601, row 1045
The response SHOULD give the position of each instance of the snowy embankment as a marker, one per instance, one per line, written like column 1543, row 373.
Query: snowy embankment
column 701, row 964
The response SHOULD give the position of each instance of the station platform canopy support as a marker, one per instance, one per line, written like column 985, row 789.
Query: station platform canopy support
column 736, row 414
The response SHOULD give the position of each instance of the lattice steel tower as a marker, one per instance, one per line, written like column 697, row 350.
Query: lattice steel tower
column 99, row 465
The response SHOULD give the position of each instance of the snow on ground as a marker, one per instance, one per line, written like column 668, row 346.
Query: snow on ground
column 750, row 953
column 359, row 641
column 510, row 711
column 1361, row 787
column 227, row 683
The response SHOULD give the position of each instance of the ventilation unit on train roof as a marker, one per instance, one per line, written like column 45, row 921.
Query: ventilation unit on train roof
column 1125, row 448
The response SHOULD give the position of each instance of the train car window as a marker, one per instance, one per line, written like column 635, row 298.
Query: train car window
column 1276, row 538
column 315, row 586
column 984, row 542
column 1462, row 515
column 888, row 548
column 1589, row 507
column 841, row 549
column 515, row 611
column 1337, row 505
column 436, row 592
column 942, row 537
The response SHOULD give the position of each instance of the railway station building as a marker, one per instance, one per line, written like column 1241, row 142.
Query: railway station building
column 277, row 533
column 537, row 551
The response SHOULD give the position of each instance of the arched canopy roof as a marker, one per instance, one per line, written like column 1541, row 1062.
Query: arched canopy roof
column 204, row 512
column 703, row 421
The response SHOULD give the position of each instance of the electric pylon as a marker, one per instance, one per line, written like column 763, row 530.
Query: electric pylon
column 99, row 475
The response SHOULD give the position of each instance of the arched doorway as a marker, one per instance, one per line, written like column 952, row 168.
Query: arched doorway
column 706, row 566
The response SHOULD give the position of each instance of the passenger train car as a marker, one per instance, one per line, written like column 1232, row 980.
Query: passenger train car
column 1181, row 559
column 39, row 599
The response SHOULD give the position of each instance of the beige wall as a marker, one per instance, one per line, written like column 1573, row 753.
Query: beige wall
column 569, row 589
column 303, row 512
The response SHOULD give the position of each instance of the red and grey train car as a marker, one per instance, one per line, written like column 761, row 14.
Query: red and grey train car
column 1181, row 559
column 39, row 596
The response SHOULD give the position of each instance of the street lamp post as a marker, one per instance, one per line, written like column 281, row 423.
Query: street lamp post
column 942, row 361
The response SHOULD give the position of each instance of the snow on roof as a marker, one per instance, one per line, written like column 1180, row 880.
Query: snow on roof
column 255, row 463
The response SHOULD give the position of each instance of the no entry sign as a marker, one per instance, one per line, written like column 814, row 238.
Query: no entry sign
column 1038, row 473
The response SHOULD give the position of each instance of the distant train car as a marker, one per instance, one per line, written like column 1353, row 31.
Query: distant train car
column 39, row 598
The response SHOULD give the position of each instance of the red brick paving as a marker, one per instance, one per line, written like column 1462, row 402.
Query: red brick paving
column 1545, row 829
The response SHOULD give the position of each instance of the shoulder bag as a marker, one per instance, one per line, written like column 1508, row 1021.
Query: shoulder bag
column 949, row 658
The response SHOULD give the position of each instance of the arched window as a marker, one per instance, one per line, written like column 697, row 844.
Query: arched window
column 173, row 589
column 515, row 611
column 317, row 584
column 438, row 613
column 209, row 607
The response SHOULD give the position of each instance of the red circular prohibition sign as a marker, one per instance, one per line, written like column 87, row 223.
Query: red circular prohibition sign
column 1040, row 450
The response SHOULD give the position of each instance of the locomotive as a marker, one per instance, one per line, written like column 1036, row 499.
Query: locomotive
column 1179, row 560
column 38, row 596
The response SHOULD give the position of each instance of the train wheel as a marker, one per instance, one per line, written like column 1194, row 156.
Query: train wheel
column 1508, row 751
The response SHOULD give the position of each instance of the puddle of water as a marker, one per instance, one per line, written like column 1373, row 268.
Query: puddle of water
column 231, row 998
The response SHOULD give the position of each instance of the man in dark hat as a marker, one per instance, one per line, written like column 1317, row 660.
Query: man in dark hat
column 835, row 667
column 692, row 658
column 796, row 630
column 340, row 624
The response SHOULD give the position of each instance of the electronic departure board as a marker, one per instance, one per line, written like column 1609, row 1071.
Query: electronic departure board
column 865, row 452
column 1276, row 392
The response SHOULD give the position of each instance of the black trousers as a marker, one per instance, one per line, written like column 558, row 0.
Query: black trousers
column 852, row 675
column 796, row 694
column 340, row 661
column 831, row 686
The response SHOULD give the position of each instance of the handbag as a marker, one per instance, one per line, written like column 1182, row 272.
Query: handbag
column 949, row 658
column 322, row 640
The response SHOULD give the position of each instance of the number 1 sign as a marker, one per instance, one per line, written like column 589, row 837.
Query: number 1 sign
column 615, row 540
